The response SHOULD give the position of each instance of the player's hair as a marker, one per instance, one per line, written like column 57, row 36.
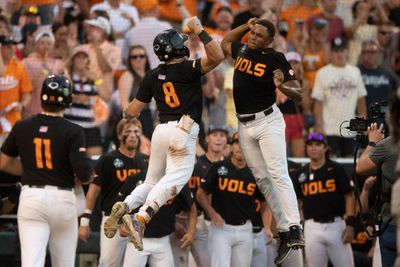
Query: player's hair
column 134, row 73
column 267, row 24
column 123, row 122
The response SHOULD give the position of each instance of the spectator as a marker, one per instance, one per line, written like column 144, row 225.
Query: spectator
column 385, row 40
column 128, row 85
column 223, row 23
column 394, row 11
column 28, row 39
column 15, row 87
column 279, row 43
column 144, row 32
column 335, row 23
column 61, row 49
column 122, row 17
column 104, row 56
column 255, row 9
column 39, row 64
column 169, row 12
column 338, row 92
column 44, row 9
column 25, row 16
column 88, row 110
column 379, row 82
column 316, row 50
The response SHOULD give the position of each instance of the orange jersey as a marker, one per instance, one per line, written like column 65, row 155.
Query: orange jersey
column 37, row 2
column 14, row 83
column 169, row 10
column 312, row 62
column 297, row 12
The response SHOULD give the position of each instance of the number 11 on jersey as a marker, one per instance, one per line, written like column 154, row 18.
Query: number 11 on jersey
column 39, row 144
column 171, row 98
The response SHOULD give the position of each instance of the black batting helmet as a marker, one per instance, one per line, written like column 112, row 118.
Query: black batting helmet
column 56, row 91
column 168, row 44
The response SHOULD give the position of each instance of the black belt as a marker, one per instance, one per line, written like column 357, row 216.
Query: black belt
column 253, row 117
column 240, row 222
column 325, row 220
column 257, row 229
column 58, row 187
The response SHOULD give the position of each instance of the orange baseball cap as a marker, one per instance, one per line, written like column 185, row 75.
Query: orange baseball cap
column 145, row 5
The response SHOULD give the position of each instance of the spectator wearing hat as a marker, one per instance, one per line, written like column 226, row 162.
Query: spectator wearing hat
column 44, row 9
column 316, row 50
column 329, row 206
column 339, row 95
column 144, row 32
column 39, row 64
column 15, row 87
column 28, row 15
column 122, row 17
column 335, row 26
column 104, row 56
column 292, row 112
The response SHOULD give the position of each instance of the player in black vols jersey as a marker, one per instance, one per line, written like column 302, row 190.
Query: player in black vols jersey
column 52, row 156
column 112, row 170
column 176, row 88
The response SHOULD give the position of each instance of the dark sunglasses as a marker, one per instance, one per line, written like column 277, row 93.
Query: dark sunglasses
column 137, row 56
column 316, row 137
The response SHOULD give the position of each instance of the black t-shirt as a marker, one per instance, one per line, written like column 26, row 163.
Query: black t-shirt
column 48, row 147
column 163, row 223
column 176, row 89
column 322, row 191
column 379, row 84
column 253, row 85
column 112, row 169
column 233, row 191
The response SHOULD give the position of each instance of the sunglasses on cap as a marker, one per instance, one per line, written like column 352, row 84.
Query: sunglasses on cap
column 316, row 137
column 137, row 56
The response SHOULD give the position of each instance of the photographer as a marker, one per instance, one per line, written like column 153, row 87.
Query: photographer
column 380, row 154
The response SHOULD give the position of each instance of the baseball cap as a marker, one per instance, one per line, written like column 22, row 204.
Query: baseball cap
column 320, row 23
column 100, row 22
column 213, row 128
column 5, row 40
column 42, row 33
column 30, row 10
column 338, row 43
column 317, row 137
column 145, row 5
column 80, row 49
column 234, row 138
column 293, row 56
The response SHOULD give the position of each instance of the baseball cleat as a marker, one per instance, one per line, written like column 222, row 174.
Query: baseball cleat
column 135, row 229
column 284, row 248
column 296, row 237
column 111, row 224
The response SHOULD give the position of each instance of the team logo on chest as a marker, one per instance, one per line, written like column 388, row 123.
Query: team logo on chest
column 118, row 163
column 222, row 171
column 302, row 177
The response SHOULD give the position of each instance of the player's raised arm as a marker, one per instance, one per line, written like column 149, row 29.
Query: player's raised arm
column 214, row 54
column 290, row 88
column 236, row 35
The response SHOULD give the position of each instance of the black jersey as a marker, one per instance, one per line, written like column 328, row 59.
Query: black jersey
column 253, row 84
column 112, row 169
column 163, row 223
column 233, row 191
column 176, row 89
column 51, row 149
column 323, row 190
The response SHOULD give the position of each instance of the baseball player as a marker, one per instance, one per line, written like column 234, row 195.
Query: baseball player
column 233, row 192
column 52, row 155
column 327, row 196
column 176, row 88
column 112, row 170
column 259, row 70
column 157, row 248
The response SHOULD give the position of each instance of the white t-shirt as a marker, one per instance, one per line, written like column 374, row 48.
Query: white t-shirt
column 338, row 88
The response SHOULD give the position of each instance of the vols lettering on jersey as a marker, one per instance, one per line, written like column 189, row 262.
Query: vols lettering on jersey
column 122, row 174
column 194, row 183
column 234, row 185
column 318, row 187
column 250, row 67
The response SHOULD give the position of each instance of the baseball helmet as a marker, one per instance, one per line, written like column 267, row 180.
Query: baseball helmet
column 168, row 44
column 56, row 91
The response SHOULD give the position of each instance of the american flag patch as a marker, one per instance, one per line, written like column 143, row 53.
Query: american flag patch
column 43, row 129
column 161, row 76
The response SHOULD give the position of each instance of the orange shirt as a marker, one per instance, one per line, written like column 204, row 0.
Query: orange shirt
column 37, row 2
column 297, row 12
column 312, row 62
column 169, row 11
column 14, row 83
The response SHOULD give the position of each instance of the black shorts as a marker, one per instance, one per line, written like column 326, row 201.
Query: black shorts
column 93, row 137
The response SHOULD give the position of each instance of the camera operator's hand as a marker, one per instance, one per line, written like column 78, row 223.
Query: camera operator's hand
column 369, row 182
column 375, row 133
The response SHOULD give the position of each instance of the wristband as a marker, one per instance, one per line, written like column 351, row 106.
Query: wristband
column 84, row 221
column 371, row 143
column 351, row 221
column 204, row 37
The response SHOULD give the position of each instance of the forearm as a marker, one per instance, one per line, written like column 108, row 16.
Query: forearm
column 318, row 113
column 362, row 107
column 364, row 201
column 7, row 206
column 236, row 34
column 204, row 201
column 350, row 205
column 292, row 89
column 266, row 216
column 103, row 64
column 134, row 108
column 11, row 165
column 25, row 99
column 192, row 219
column 92, row 195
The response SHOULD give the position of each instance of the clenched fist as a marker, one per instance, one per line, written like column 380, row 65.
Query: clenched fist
column 193, row 25
column 278, row 78
column 251, row 22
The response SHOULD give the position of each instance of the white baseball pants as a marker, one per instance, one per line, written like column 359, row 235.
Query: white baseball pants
column 264, row 146
column 259, row 258
column 199, row 246
column 47, row 216
column 231, row 245
column 323, row 241
column 157, row 251
column 169, row 170
column 112, row 250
